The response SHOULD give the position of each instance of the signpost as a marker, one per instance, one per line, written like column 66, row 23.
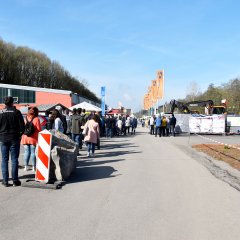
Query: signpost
column 103, row 90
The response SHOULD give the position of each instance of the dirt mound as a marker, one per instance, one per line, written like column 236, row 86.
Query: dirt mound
column 222, row 153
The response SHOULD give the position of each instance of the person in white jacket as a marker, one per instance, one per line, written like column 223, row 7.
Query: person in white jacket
column 128, row 124
column 119, row 126
column 152, row 125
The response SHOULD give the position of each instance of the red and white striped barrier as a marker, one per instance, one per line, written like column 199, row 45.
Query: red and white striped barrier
column 43, row 156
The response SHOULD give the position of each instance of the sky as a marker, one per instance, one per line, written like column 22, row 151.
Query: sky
column 122, row 44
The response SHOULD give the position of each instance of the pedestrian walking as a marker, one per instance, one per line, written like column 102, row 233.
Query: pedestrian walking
column 92, row 135
column 11, row 130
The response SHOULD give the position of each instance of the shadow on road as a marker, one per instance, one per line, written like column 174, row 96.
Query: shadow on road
column 27, row 176
column 82, row 174
column 90, row 162
column 117, row 153
column 121, row 145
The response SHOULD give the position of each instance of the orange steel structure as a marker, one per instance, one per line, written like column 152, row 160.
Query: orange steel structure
column 155, row 91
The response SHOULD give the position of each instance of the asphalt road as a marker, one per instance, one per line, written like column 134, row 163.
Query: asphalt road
column 137, row 187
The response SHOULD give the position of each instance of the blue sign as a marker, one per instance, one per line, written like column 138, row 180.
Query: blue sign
column 103, row 106
column 103, row 91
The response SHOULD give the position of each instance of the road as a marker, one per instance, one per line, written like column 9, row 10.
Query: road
column 137, row 187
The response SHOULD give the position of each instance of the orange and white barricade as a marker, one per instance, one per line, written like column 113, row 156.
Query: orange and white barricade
column 43, row 156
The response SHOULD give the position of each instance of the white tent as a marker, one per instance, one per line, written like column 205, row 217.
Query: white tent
column 87, row 106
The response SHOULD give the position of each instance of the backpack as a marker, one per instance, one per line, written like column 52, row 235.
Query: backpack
column 29, row 128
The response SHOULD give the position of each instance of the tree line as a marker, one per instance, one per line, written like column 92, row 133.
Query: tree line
column 27, row 67
column 229, row 91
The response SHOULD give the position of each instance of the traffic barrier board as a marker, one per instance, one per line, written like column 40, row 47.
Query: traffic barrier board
column 43, row 156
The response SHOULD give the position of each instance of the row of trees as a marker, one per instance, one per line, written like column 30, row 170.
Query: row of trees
column 24, row 66
column 229, row 91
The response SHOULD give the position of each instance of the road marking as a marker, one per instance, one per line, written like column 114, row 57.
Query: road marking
column 225, row 144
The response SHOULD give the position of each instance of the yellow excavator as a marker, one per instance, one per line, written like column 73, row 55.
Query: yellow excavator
column 210, row 108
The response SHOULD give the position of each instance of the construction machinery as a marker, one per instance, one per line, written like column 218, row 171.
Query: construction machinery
column 209, row 106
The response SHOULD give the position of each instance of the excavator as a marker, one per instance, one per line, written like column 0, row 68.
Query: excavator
column 208, row 104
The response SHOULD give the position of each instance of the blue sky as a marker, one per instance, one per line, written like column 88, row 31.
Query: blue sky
column 121, row 44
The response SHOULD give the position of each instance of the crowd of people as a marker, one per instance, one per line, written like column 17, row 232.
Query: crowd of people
column 121, row 125
column 161, row 125
column 16, row 130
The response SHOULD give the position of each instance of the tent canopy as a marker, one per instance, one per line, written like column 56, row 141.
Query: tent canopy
column 87, row 106
column 114, row 111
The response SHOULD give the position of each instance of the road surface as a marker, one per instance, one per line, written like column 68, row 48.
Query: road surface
column 136, row 188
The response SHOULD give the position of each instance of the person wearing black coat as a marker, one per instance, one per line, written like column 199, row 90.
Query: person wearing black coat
column 11, row 129
column 173, row 122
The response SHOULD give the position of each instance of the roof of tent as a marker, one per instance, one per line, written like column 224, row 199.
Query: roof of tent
column 87, row 106
column 114, row 111
column 43, row 107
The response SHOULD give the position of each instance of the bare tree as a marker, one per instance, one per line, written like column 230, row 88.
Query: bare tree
column 193, row 91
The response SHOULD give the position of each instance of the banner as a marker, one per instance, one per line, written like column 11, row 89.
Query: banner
column 160, row 84
column 155, row 91
column 207, row 124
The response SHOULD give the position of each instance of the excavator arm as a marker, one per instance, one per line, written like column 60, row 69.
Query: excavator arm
column 209, row 104
column 181, row 106
column 205, row 103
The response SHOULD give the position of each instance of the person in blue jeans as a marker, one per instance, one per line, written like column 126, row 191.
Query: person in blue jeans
column 158, row 123
column 11, row 130
column 108, row 127
column 30, row 141
column 77, row 121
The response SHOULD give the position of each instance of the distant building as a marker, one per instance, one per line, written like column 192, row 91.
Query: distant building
column 33, row 96
column 127, row 111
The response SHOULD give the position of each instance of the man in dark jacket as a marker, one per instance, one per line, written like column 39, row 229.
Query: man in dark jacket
column 11, row 130
column 77, row 121
column 134, row 125
column 173, row 122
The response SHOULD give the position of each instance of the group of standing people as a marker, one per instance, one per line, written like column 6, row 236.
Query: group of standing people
column 162, row 125
column 82, row 127
column 121, row 125
column 16, row 130
column 78, row 126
